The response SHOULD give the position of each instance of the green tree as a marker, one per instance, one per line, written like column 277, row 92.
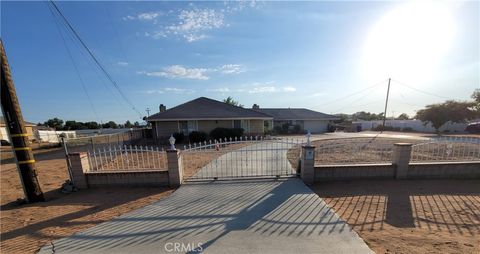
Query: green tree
column 476, row 100
column 110, row 124
column 55, row 123
column 230, row 101
column 128, row 124
column 439, row 114
column 402, row 116
column 92, row 125
column 136, row 124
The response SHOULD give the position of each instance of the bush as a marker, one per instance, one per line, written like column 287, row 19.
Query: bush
column 407, row 129
column 285, row 128
column 277, row 130
column 297, row 129
column 197, row 136
column 220, row 133
column 397, row 129
column 179, row 137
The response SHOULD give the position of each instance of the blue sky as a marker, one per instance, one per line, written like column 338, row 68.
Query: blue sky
column 328, row 56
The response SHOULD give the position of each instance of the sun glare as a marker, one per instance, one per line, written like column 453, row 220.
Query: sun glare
column 408, row 42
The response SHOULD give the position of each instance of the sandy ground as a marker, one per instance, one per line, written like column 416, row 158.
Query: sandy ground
column 25, row 228
column 412, row 216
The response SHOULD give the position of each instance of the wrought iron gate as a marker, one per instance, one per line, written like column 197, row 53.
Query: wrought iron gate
column 246, row 157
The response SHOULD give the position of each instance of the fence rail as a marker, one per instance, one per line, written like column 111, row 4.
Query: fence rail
column 447, row 149
column 114, row 158
column 93, row 143
column 354, row 151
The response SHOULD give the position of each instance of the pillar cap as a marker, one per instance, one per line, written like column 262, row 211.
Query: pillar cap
column 172, row 151
column 308, row 146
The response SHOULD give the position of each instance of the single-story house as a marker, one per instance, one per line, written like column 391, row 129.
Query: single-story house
column 3, row 129
column 308, row 120
column 204, row 114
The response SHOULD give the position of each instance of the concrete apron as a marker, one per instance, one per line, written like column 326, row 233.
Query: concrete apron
column 257, row 216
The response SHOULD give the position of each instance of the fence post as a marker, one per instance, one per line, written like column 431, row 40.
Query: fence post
column 307, row 165
column 80, row 165
column 401, row 159
column 175, row 169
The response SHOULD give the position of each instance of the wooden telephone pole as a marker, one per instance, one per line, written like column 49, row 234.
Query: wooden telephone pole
column 18, row 133
column 386, row 104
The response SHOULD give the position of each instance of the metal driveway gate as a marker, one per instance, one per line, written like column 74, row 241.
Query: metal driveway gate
column 246, row 157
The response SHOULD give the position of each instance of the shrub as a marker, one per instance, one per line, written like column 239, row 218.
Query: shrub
column 179, row 137
column 220, row 133
column 297, row 129
column 407, row 129
column 197, row 136
column 285, row 128
column 397, row 129
column 277, row 130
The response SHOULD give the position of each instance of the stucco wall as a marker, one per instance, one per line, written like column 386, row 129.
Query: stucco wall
column 256, row 127
column 165, row 129
column 315, row 126
column 208, row 126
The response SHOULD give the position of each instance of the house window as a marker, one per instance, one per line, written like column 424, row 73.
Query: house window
column 186, row 127
column 237, row 124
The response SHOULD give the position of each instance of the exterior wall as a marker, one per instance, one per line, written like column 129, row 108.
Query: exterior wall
column 461, row 170
column 208, row 125
column 165, row 129
column 256, row 127
column 316, row 126
column 350, row 172
column 415, row 125
column 130, row 178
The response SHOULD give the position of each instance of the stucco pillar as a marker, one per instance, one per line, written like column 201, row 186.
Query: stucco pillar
column 308, row 164
column 401, row 159
column 175, row 169
column 80, row 165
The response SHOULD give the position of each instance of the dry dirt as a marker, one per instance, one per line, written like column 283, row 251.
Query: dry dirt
column 25, row 228
column 414, row 216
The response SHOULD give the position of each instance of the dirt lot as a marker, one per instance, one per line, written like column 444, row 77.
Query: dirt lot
column 25, row 228
column 414, row 216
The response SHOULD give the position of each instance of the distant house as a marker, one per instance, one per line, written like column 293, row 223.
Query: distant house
column 204, row 114
column 308, row 120
column 3, row 130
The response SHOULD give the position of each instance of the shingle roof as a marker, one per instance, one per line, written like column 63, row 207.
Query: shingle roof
column 205, row 108
column 295, row 114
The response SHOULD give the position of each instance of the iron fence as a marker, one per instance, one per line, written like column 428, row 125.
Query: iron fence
column 354, row 151
column 244, row 157
column 115, row 158
column 93, row 143
column 447, row 149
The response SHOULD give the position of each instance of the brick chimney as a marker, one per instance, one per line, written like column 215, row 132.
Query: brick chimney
column 162, row 108
column 256, row 106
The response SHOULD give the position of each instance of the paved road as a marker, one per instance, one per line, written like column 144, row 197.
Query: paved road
column 250, row 216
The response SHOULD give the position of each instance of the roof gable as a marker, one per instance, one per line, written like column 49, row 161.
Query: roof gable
column 205, row 108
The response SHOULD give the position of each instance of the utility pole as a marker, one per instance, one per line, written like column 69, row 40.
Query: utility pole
column 18, row 134
column 148, row 112
column 386, row 104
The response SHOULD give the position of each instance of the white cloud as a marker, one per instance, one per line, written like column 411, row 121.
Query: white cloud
column 192, row 23
column 289, row 89
column 172, row 90
column 146, row 16
column 219, row 90
column 179, row 72
column 263, row 89
column 231, row 69
column 122, row 63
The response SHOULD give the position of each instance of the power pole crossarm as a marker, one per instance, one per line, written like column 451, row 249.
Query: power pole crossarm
column 18, row 133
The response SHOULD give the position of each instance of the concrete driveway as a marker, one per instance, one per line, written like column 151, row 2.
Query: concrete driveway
column 239, row 216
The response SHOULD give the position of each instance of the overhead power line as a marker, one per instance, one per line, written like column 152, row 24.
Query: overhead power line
column 420, row 90
column 74, row 64
column 97, row 62
column 353, row 94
